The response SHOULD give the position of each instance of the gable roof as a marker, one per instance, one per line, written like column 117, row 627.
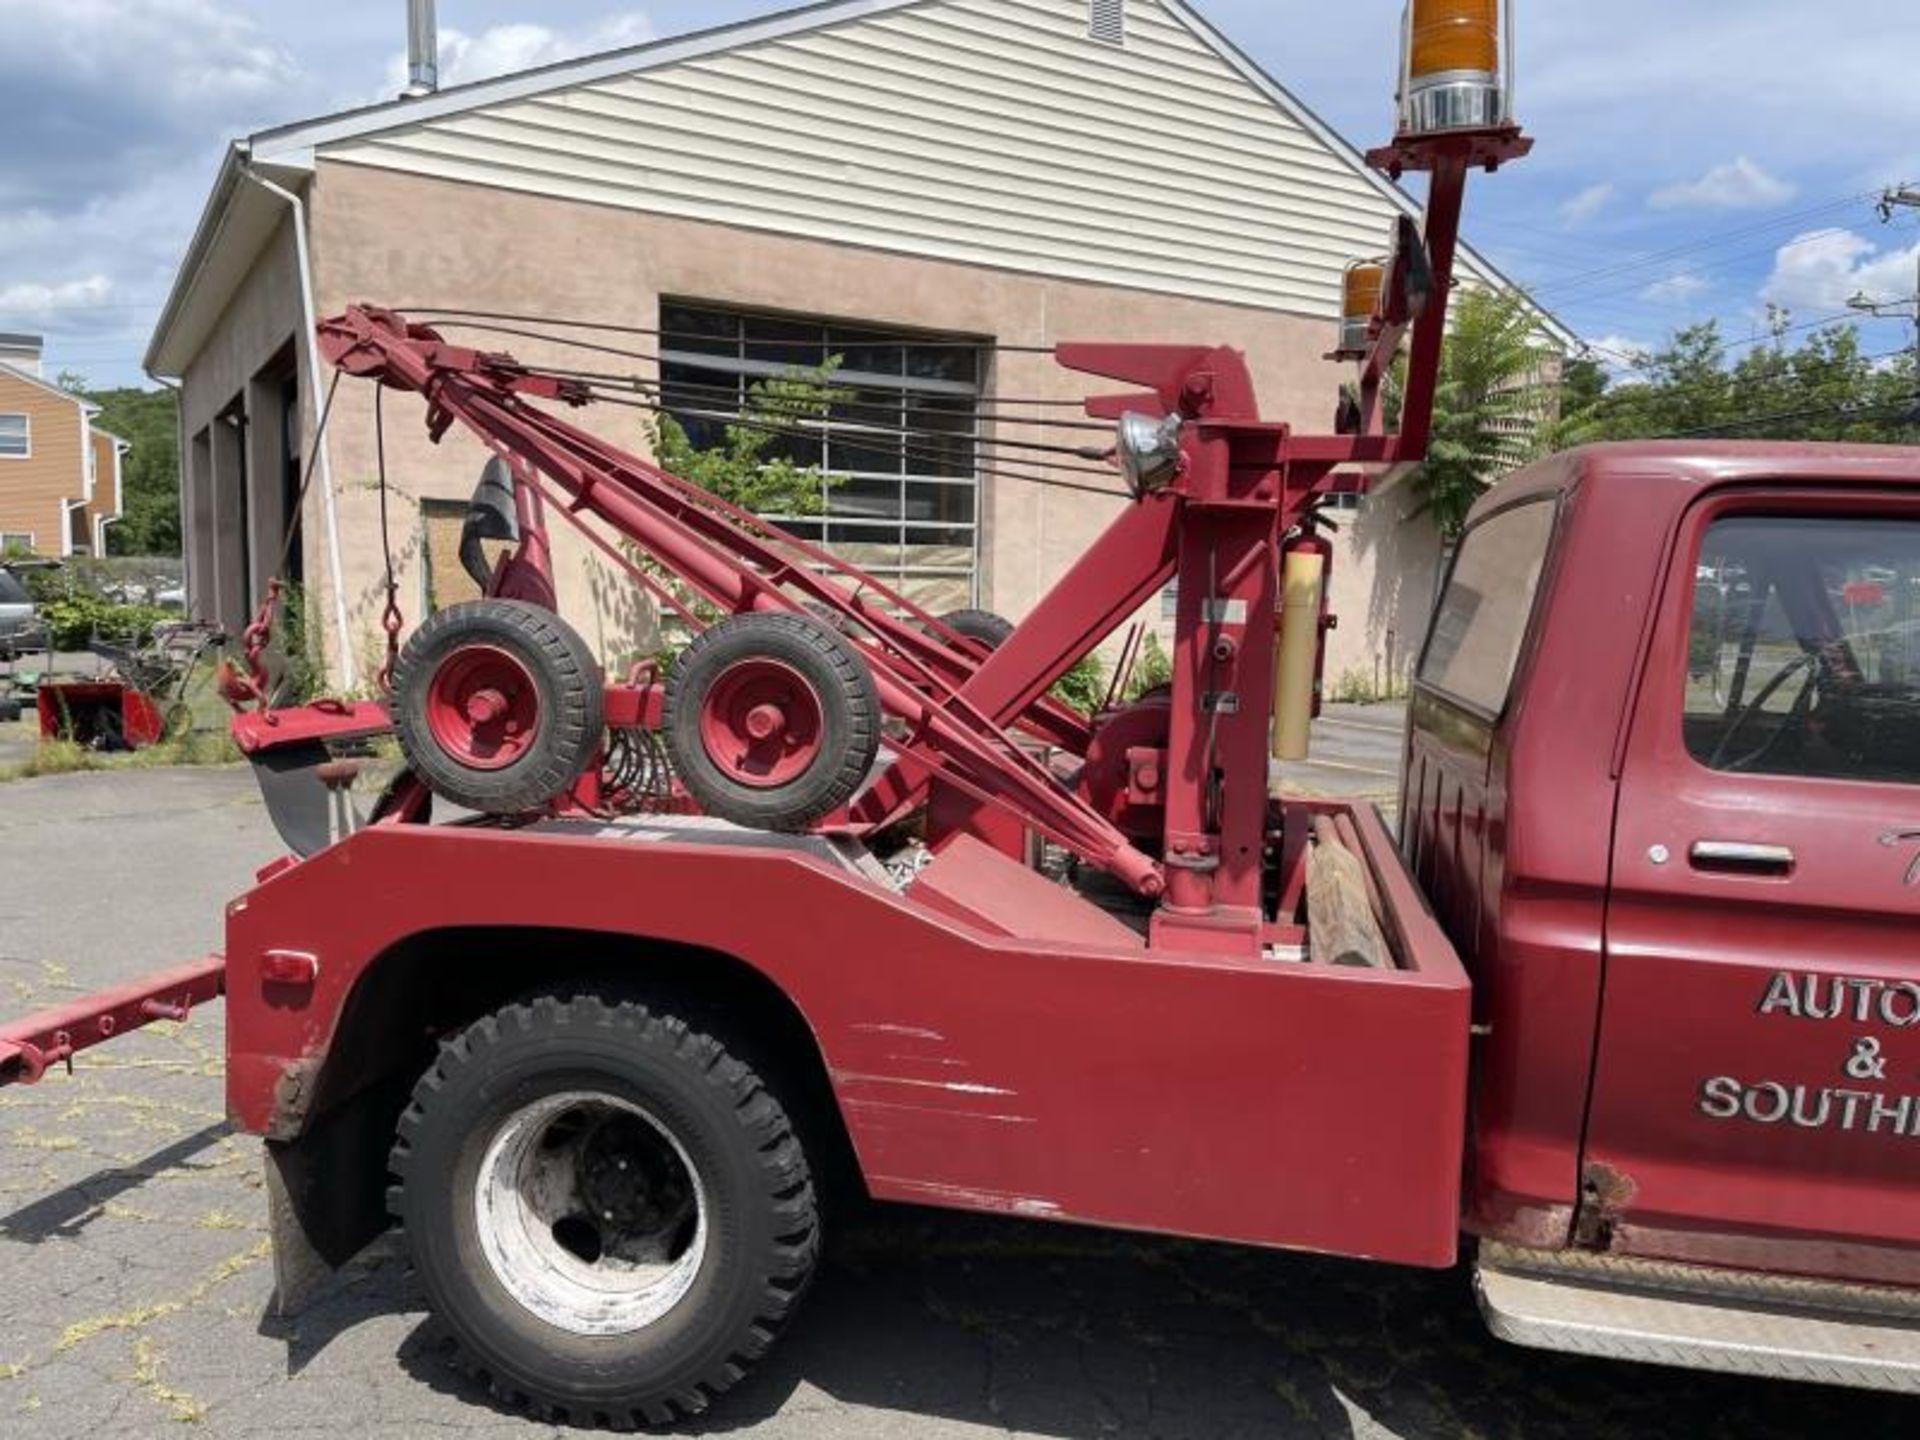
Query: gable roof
column 502, row 132
column 14, row 372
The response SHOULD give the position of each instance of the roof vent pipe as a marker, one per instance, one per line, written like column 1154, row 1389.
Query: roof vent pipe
column 423, row 50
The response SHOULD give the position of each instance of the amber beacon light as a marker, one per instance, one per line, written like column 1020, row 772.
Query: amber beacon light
column 1364, row 281
column 1456, row 72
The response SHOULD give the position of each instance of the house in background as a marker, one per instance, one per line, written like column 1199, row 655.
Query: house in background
column 935, row 191
column 60, row 474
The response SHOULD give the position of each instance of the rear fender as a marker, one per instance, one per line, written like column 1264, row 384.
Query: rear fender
column 334, row 1109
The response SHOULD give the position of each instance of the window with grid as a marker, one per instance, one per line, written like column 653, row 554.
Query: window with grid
column 901, row 441
column 16, row 438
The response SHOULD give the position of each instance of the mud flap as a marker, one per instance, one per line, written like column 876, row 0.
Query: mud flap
column 300, row 1271
column 326, row 1193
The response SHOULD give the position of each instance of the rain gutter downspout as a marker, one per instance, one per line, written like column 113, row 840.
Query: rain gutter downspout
column 315, row 368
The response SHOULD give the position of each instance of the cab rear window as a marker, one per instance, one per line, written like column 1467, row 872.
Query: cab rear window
column 11, row 590
column 1803, row 657
column 1482, row 618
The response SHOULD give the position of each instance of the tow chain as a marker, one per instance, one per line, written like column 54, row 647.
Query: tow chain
column 241, row 689
column 393, row 621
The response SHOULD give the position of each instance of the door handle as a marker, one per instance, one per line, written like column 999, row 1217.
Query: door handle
column 1741, row 857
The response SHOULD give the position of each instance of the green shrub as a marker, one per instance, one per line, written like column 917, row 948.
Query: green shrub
column 1152, row 669
column 1084, row 687
column 294, row 659
column 77, row 617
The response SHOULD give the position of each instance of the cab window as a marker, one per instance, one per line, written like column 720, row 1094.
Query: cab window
column 1802, row 655
column 1482, row 618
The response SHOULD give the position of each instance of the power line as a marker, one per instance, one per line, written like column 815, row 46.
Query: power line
column 1639, row 285
column 1839, row 411
column 1749, row 341
column 1706, row 242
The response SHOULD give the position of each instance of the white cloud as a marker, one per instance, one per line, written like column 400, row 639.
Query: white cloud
column 198, row 52
column 1675, row 289
column 1737, row 185
column 103, row 94
column 1820, row 271
column 505, row 49
column 31, row 298
column 1581, row 208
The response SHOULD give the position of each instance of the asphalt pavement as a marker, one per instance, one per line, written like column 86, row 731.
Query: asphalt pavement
column 135, row 1279
column 1355, row 755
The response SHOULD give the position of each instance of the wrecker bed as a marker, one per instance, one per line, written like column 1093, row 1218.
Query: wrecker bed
column 988, row 1039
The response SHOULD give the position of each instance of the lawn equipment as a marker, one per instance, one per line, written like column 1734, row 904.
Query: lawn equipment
column 163, row 669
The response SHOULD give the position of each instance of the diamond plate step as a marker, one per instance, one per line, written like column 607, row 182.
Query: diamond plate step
column 1744, row 1323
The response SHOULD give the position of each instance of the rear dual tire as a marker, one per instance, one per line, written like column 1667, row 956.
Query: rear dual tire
column 606, row 1207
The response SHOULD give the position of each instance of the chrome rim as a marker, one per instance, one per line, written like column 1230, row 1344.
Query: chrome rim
column 590, row 1213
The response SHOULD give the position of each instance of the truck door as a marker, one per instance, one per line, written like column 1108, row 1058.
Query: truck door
column 1757, row 1087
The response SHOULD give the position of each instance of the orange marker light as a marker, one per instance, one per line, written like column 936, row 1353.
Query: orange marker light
column 1454, row 75
column 1364, row 282
column 1454, row 35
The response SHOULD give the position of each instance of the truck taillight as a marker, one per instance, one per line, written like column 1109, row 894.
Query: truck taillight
column 1456, row 66
column 1364, row 282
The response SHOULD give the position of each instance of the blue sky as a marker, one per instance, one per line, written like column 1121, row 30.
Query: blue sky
column 1698, row 158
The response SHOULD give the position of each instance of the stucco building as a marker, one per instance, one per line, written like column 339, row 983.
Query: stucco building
column 60, row 474
column 903, row 184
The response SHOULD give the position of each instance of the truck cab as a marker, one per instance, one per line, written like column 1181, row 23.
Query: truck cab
column 1662, row 789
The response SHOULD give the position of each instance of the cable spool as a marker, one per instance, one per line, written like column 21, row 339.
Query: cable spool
column 1454, row 76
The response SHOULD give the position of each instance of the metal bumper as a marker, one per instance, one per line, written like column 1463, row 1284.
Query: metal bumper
column 1779, row 1327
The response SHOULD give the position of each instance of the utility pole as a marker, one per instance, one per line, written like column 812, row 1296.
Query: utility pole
column 1897, row 197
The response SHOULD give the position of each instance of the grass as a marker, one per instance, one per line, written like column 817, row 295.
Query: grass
column 1358, row 687
column 63, row 757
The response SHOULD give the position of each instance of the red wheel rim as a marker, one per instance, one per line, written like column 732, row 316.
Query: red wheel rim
column 483, row 707
column 761, row 723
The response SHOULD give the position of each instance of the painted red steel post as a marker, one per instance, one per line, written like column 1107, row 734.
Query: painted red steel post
column 1216, row 807
column 1446, row 190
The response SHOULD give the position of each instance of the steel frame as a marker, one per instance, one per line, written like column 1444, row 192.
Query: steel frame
column 1244, row 485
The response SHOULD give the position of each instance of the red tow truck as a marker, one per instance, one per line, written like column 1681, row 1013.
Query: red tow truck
column 847, row 896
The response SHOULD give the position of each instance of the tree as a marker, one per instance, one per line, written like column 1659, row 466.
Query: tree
column 149, row 421
column 1824, row 389
column 752, row 464
column 1491, row 403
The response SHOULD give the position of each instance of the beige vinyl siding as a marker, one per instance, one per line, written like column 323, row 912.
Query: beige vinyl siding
column 34, row 490
column 989, row 132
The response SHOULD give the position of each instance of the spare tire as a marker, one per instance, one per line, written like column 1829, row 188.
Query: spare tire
column 772, row 720
column 989, row 629
column 499, row 705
